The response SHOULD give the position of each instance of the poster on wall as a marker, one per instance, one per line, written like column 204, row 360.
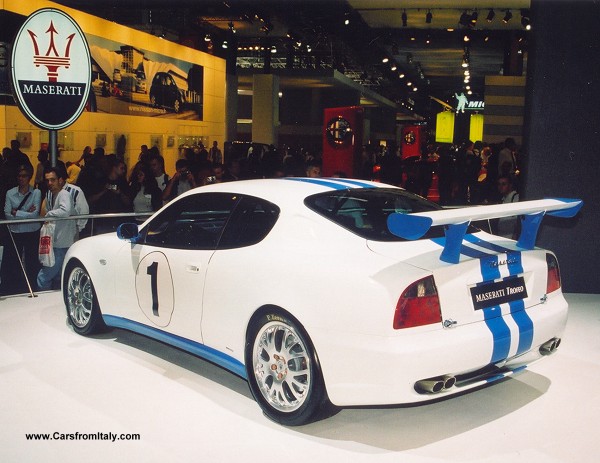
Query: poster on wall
column 129, row 81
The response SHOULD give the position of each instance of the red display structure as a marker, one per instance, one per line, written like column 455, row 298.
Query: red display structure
column 412, row 139
column 342, row 140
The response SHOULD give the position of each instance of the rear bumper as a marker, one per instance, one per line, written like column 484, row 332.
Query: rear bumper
column 380, row 370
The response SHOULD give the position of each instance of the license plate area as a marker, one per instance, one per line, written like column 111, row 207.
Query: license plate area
column 498, row 292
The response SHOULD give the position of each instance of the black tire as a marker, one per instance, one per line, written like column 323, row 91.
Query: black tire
column 81, row 301
column 283, row 370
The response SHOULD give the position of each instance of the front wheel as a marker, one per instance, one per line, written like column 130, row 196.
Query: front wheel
column 81, row 301
column 284, row 372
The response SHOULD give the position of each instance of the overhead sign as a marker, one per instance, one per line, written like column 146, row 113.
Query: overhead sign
column 51, row 69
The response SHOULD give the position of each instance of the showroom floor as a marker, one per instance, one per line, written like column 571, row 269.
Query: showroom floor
column 185, row 409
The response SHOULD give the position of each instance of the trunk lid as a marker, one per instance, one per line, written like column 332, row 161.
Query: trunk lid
column 492, row 278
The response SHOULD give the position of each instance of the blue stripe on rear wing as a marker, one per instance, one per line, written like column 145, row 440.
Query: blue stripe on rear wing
column 414, row 226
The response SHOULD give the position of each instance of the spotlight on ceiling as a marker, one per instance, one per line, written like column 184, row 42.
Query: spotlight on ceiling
column 404, row 19
column 490, row 16
column 507, row 16
column 224, row 44
column 465, row 19
column 428, row 17
column 474, row 17
column 346, row 19
column 385, row 60
column 273, row 49
column 231, row 27
column 207, row 38
column 525, row 20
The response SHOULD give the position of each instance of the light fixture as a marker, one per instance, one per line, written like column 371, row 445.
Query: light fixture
column 224, row 44
column 207, row 38
column 428, row 17
column 466, row 38
column 401, row 75
column 465, row 19
column 308, row 48
column 273, row 49
column 507, row 16
column 394, row 67
column 346, row 19
column 404, row 19
column 385, row 59
column 415, row 89
column 474, row 17
column 409, row 84
column 525, row 21
column 490, row 16
column 232, row 27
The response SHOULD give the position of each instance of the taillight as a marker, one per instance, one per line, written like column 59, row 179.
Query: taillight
column 419, row 305
column 553, row 282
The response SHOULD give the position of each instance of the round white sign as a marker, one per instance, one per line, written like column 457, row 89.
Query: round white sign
column 51, row 69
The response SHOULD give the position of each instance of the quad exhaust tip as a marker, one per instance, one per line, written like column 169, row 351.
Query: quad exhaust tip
column 435, row 385
column 549, row 347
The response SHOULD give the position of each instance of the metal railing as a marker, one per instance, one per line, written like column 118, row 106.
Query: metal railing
column 92, row 217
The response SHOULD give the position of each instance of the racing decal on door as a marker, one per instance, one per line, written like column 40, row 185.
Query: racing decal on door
column 154, row 288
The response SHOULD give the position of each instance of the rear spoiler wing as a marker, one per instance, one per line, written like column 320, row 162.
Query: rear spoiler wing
column 414, row 226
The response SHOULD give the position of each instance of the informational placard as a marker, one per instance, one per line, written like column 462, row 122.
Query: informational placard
column 51, row 69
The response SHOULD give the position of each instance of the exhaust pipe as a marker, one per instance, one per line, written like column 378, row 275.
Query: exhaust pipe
column 449, row 381
column 435, row 385
column 549, row 347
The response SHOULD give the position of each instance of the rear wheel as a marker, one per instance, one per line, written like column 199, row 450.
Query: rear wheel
column 283, row 371
column 81, row 301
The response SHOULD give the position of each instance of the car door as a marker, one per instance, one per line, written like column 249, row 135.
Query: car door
column 171, row 258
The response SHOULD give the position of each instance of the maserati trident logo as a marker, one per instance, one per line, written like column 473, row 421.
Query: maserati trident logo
column 52, row 59
column 51, row 69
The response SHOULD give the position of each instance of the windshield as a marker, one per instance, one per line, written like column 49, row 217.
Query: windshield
column 365, row 211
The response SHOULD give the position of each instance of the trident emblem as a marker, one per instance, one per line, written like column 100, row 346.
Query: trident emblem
column 54, row 61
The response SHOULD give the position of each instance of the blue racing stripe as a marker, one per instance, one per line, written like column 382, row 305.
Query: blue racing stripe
column 317, row 181
column 517, row 308
column 485, row 244
column 500, row 332
column 196, row 348
column 465, row 250
column 353, row 182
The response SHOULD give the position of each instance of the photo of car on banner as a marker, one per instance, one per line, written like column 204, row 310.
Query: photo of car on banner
column 328, row 291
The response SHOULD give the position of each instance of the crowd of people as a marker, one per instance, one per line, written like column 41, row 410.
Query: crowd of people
column 97, row 183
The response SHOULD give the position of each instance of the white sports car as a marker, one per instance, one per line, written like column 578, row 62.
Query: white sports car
column 328, row 291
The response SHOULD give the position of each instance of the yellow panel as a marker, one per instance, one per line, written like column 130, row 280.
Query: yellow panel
column 476, row 127
column 444, row 127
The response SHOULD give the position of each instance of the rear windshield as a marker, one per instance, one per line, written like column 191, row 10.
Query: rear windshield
column 365, row 211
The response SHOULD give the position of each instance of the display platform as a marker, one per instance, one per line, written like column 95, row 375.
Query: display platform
column 53, row 381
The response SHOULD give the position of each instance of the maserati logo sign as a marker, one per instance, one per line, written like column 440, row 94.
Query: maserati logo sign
column 51, row 69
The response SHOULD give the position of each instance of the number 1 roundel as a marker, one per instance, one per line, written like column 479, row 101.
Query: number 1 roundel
column 154, row 288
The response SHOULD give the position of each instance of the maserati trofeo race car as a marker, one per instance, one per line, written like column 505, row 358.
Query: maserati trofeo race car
column 328, row 291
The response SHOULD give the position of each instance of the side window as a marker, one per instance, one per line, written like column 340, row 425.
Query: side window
column 194, row 222
column 250, row 223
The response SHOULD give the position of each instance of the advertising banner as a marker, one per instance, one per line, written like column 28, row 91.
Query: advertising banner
column 131, row 81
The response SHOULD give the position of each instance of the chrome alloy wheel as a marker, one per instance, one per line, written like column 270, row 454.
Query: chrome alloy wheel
column 281, row 365
column 80, row 297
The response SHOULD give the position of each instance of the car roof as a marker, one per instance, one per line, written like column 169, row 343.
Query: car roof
column 288, row 190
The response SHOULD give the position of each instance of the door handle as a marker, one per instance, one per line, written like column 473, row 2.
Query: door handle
column 192, row 268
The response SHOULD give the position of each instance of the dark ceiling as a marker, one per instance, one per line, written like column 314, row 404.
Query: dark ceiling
column 352, row 36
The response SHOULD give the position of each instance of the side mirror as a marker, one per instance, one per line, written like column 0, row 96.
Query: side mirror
column 128, row 232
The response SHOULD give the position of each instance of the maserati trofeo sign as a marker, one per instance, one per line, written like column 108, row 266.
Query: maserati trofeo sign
column 51, row 69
